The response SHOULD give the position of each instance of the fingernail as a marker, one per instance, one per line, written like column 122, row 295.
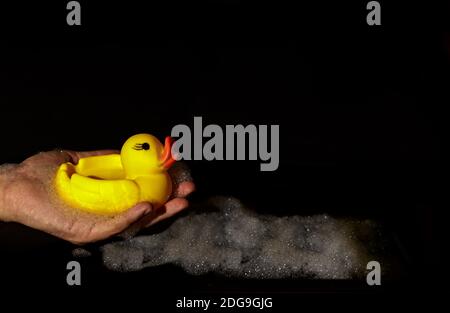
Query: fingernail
column 148, row 210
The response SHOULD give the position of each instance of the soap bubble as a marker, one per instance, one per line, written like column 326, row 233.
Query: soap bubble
column 225, row 237
column 81, row 253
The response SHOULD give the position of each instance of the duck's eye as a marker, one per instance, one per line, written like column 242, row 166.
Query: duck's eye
column 142, row 146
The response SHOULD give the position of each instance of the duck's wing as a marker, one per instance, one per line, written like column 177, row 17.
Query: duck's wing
column 101, row 166
column 104, row 196
column 95, row 195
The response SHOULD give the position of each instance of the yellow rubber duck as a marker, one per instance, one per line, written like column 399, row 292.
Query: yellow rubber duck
column 111, row 184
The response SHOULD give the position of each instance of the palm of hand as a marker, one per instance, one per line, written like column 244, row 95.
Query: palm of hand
column 30, row 197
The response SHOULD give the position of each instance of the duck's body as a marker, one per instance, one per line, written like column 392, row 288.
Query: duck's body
column 113, row 183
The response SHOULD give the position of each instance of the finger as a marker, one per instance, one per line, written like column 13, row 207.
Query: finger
column 171, row 208
column 179, row 173
column 142, row 222
column 184, row 189
column 77, row 155
column 120, row 222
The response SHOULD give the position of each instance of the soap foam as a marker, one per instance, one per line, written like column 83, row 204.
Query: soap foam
column 225, row 237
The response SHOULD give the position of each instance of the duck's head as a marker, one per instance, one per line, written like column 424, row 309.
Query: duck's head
column 143, row 154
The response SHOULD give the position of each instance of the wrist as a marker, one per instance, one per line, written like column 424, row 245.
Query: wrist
column 5, row 181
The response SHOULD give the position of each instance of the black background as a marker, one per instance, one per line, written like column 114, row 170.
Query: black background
column 360, row 109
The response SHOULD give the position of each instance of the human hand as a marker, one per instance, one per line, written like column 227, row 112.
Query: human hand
column 27, row 197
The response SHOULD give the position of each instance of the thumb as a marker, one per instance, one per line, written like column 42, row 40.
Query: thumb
column 120, row 222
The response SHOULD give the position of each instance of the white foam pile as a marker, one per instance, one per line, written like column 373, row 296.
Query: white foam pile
column 229, row 239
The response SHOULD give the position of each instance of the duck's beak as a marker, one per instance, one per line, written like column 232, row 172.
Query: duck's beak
column 166, row 156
